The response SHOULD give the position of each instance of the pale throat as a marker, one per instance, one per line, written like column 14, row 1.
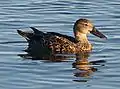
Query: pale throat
column 81, row 37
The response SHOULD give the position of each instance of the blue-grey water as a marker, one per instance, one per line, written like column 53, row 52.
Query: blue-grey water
column 58, row 16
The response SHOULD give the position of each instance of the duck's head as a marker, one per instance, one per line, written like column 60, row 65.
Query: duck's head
column 82, row 27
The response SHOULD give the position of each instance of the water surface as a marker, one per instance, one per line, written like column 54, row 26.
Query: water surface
column 58, row 16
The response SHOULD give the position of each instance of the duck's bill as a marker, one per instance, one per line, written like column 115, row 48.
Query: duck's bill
column 97, row 33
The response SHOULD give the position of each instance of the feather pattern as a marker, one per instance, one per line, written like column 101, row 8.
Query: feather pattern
column 56, row 42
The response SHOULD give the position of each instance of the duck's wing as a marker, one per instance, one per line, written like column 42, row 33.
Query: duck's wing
column 36, row 35
column 70, row 38
column 57, row 42
column 37, row 32
column 42, row 34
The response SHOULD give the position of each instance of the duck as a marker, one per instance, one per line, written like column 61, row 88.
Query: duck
column 58, row 43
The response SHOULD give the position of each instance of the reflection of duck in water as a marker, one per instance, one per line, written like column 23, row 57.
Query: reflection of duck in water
column 84, row 68
column 54, row 42
column 82, row 65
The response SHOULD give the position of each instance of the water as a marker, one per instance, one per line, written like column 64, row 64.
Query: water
column 58, row 16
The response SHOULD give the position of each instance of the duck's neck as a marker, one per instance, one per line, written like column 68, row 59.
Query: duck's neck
column 82, row 38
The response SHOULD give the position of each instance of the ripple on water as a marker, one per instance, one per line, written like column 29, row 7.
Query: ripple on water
column 58, row 16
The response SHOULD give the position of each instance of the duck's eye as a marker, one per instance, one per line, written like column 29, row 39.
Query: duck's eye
column 86, row 24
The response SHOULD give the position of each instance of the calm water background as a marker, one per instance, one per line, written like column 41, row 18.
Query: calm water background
column 59, row 16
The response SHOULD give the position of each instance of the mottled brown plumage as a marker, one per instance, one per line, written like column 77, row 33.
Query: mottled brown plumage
column 59, row 43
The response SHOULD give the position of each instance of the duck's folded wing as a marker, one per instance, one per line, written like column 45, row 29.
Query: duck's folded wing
column 70, row 38
column 41, row 34
column 59, row 43
column 36, row 35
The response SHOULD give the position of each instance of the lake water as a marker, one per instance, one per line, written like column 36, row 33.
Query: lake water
column 58, row 16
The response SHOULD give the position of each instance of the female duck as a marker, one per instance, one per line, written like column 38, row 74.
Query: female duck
column 59, row 43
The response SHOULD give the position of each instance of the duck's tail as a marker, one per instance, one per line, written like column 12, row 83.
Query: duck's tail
column 31, row 35
column 26, row 35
